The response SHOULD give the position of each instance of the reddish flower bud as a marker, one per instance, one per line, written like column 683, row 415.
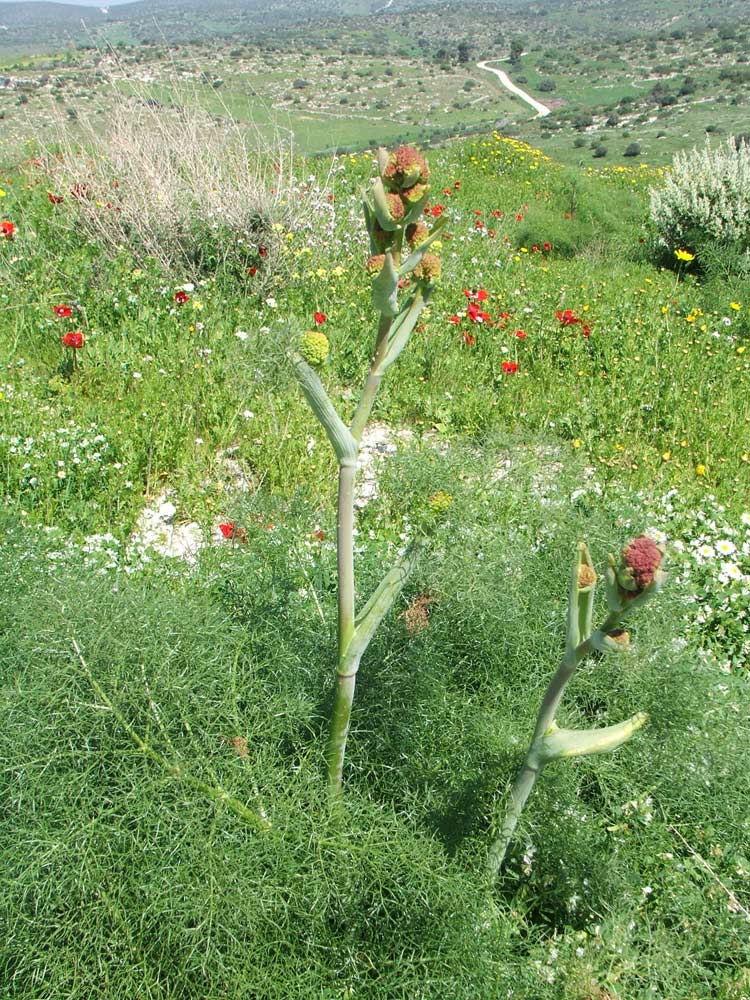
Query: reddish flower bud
column 641, row 558
column 416, row 233
column 405, row 167
column 395, row 207
column 429, row 268
column 375, row 264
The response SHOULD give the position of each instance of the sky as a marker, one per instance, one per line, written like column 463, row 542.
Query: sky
column 85, row 3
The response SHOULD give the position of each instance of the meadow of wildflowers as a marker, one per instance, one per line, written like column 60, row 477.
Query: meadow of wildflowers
column 558, row 383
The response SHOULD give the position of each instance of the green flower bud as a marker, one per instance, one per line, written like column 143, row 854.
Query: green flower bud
column 314, row 348
column 414, row 194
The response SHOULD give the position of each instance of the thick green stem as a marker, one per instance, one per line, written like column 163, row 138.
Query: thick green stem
column 525, row 780
column 340, row 717
column 345, row 556
column 347, row 670
column 345, row 676
column 534, row 760
column 556, row 688
column 366, row 400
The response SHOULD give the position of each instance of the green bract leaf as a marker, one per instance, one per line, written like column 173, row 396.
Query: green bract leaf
column 402, row 328
column 381, row 208
column 582, row 742
column 385, row 288
column 338, row 433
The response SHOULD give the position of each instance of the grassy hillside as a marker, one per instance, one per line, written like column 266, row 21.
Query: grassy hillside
column 562, row 383
column 345, row 81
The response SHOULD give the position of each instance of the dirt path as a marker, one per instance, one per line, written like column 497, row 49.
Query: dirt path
column 541, row 109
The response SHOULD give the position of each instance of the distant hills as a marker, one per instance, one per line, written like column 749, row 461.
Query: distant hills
column 41, row 26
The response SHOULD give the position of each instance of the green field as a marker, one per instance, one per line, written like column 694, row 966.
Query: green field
column 168, row 550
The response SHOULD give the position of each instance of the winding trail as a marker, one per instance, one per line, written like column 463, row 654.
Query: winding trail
column 541, row 109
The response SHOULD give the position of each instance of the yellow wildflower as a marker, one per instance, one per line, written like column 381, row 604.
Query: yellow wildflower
column 684, row 255
column 735, row 305
column 700, row 470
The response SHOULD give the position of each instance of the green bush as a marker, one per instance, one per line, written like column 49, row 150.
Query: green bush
column 704, row 205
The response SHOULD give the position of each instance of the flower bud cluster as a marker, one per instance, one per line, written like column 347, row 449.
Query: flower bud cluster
column 641, row 559
column 394, row 210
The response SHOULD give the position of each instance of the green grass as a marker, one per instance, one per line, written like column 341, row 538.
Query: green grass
column 629, row 873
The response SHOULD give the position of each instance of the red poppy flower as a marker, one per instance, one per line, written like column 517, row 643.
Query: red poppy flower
column 455, row 319
column 447, row 192
column 586, row 330
column 62, row 312
column 469, row 339
column 547, row 247
column 72, row 339
column 473, row 312
column 477, row 211
column 181, row 297
column 521, row 334
column 230, row 530
column 437, row 210
column 320, row 535
column 566, row 215
column 482, row 295
column 457, row 185
column 54, row 199
column 7, row 230
column 479, row 224
column 567, row 317
column 319, row 318
column 497, row 213
column 510, row 367
column 535, row 248
column 252, row 271
column 263, row 251
column 519, row 217
column 491, row 233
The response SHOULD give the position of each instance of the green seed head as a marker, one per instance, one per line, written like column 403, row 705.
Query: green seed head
column 314, row 348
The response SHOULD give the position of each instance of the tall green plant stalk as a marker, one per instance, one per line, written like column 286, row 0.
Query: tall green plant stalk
column 629, row 586
column 399, row 262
